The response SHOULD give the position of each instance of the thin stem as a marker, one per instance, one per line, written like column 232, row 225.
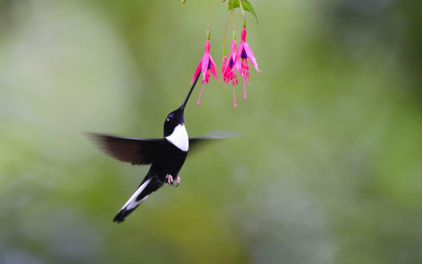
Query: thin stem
column 224, row 36
column 243, row 15
column 233, row 19
column 211, row 12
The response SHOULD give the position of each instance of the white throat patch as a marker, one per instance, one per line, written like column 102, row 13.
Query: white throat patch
column 179, row 138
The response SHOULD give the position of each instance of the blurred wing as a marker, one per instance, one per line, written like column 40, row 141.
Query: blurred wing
column 137, row 151
column 197, row 142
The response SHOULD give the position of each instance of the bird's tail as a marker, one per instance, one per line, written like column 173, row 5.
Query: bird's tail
column 142, row 193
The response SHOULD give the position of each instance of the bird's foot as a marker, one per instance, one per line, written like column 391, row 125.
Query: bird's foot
column 169, row 179
column 177, row 181
column 172, row 182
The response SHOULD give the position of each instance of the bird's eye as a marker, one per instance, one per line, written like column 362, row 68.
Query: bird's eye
column 169, row 117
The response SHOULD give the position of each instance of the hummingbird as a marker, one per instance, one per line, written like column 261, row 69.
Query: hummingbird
column 166, row 155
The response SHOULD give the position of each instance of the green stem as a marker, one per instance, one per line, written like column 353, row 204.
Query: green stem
column 233, row 17
column 224, row 36
column 211, row 12
column 243, row 15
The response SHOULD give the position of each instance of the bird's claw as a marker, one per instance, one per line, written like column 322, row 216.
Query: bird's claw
column 172, row 182
column 176, row 182
column 169, row 179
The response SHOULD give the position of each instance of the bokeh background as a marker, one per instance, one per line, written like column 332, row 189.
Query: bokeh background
column 328, row 169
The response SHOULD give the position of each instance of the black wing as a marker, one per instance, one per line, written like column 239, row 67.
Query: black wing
column 137, row 151
column 197, row 142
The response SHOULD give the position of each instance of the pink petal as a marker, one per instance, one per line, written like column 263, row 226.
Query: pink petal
column 243, row 34
column 204, row 65
column 238, row 57
column 213, row 68
column 233, row 46
column 229, row 72
column 237, row 66
column 224, row 63
column 226, row 75
column 224, row 68
column 251, row 56
column 207, row 47
column 196, row 72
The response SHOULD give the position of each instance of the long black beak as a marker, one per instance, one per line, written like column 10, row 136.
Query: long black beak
column 190, row 91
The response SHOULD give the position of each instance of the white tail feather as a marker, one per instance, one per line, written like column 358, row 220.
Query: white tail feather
column 132, row 202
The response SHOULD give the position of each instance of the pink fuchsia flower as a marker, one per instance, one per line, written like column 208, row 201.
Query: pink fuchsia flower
column 229, row 73
column 206, row 66
column 224, row 63
column 243, row 53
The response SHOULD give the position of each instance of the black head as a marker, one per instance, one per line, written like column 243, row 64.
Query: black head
column 176, row 117
column 173, row 119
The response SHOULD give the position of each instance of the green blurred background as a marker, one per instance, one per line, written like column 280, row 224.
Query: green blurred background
column 328, row 169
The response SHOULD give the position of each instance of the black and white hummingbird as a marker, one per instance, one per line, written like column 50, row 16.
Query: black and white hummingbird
column 166, row 155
